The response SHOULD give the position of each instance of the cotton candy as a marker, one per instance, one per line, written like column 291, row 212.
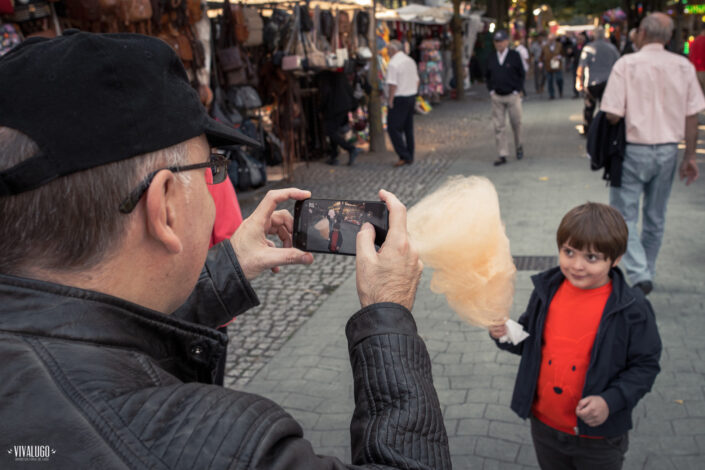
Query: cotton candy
column 458, row 232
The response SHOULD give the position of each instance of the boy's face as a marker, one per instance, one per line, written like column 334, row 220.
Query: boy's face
column 585, row 269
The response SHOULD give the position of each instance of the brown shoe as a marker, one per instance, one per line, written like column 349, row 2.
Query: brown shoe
column 400, row 163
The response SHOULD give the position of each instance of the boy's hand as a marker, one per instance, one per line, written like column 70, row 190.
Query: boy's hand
column 498, row 331
column 593, row 410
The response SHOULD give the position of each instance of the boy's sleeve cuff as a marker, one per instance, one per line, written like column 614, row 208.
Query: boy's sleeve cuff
column 615, row 400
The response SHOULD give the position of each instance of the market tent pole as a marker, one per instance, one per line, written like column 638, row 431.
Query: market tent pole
column 457, row 29
column 377, row 141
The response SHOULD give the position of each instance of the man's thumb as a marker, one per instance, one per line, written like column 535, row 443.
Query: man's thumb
column 365, row 242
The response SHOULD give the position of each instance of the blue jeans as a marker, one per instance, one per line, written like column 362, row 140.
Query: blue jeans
column 647, row 169
column 558, row 76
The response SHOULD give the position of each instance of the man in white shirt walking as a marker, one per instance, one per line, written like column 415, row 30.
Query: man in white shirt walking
column 402, row 86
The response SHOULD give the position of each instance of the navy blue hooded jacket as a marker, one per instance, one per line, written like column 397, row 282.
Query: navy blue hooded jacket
column 625, row 355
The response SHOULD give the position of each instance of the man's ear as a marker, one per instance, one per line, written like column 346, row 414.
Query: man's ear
column 160, row 204
column 616, row 262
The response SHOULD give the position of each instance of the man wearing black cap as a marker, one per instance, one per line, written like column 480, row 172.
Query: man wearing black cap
column 505, row 80
column 109, row 295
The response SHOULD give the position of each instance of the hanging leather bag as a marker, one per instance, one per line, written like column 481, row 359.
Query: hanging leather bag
column 255, row 27
column 238, row 21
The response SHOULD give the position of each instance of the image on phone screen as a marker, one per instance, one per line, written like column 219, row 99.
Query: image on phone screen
column 331, row 226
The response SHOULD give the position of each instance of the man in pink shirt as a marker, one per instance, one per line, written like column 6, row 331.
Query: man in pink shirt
column 658, row 95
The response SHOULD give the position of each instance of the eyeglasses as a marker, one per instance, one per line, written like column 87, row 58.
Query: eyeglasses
column 217, row 164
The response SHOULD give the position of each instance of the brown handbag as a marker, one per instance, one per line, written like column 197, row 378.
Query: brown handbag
column 238, row 17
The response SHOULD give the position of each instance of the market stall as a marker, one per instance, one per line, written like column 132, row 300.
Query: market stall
column 257, row 66
column 425, row 32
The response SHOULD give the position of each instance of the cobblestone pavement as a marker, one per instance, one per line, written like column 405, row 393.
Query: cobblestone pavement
column 310, row 374
column 291, row 297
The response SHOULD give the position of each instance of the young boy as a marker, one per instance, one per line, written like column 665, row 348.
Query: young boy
column 593, row 349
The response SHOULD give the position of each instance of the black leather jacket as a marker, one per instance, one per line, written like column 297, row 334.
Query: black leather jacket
column 93, row 381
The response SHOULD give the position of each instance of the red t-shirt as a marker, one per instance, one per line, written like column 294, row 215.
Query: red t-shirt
column 697, row 53
column 568, row 336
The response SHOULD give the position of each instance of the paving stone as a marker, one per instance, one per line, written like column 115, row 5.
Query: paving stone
column 462, row 445
column 527, row 456
column 497, row 449
column 451, row 397
column 520, row 433
column 501, row 413
column 689, row 426
column 473, row 427
column 466, row 461
column 301, row 402
column 465, row 410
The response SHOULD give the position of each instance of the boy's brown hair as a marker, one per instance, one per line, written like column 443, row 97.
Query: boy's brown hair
column 594, row 226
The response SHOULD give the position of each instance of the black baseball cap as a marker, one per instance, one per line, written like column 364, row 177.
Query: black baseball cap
column 90, row 99
column 501, row 35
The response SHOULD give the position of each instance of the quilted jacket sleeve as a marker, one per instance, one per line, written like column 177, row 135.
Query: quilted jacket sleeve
column 222, row 292
column 397, row 421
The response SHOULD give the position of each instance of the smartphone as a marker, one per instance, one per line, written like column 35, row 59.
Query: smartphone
column 331, row 225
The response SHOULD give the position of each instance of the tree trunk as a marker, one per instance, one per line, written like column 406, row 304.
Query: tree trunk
column 377, row 142
column 457, row 28
column 530, row 23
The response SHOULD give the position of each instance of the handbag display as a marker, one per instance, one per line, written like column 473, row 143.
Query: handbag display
column 292, row 60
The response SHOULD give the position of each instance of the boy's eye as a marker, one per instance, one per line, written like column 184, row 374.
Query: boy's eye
column 568, row 251
column 592, row 258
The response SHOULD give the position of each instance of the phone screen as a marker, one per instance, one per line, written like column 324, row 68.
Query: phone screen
column 331, row 226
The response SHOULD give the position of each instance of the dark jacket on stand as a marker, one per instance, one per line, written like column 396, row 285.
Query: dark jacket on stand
column 506, row 78
column 625, row 355
column 606, row 144
column 109, row 384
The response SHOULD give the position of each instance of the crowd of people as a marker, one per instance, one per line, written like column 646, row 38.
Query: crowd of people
column 110, row 297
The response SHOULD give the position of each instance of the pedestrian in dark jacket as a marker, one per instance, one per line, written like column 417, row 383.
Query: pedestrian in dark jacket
column 505, row 81
column 107, row 332
column 337, row 100
column 593, row 350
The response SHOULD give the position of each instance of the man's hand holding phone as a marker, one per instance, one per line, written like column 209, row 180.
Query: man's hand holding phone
column 254, row 251
column 391, row 274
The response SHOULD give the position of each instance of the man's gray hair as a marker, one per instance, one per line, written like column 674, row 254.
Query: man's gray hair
column 599, row 32
column 657, row 27
column 395, row 45
column 72, row 222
